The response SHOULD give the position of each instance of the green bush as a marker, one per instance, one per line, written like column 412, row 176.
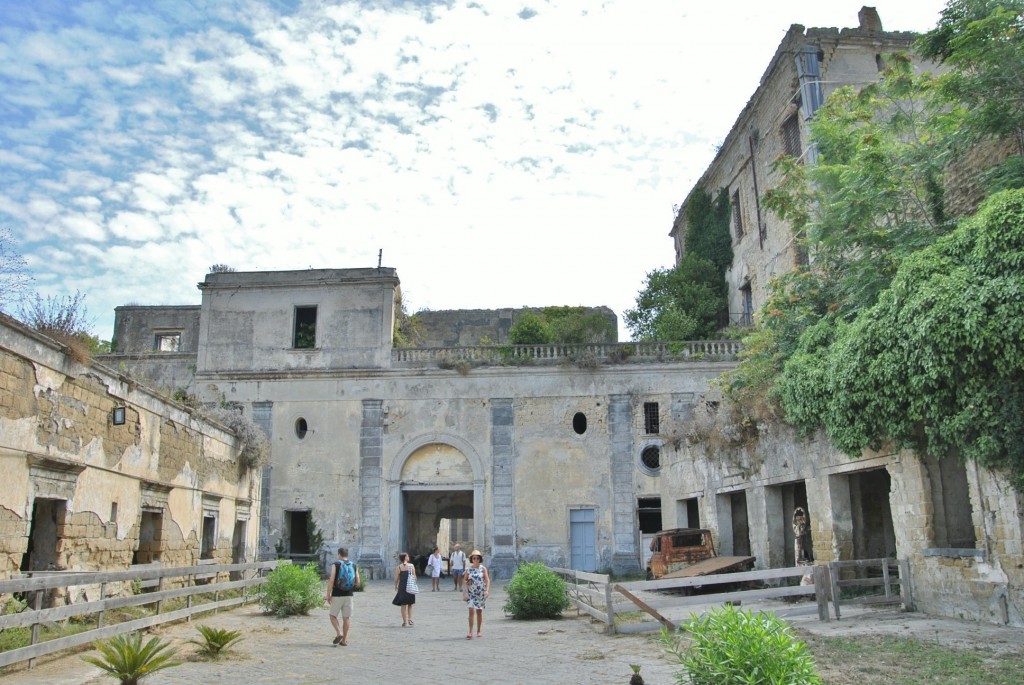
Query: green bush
column 291, row 589
column 733, row 647
column 536, row 592
column 125, row 657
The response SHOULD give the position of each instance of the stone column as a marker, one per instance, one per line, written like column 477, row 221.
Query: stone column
column 503, row 551
column 263, row 416
column 625, row 555
column 371, row 457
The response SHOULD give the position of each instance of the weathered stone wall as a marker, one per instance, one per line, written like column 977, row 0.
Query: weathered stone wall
column 61, row 454
column 743, row 165
column 468, row 327
column 983, row 582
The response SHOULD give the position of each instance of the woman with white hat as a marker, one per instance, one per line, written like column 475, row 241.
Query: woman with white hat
column 478, row 589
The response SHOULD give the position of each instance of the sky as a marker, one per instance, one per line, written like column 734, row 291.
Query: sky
column 496, row 153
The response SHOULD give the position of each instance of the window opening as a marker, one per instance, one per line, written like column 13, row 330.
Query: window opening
column 651, row 457
column 954, row 524
column 737, row 215
column 301, row 428
column 209, row 537
column 791, row 136
column 148, row 549
column 747, row 316
column 648, row 511
column 651, row 418
column 688, row 513
column 579, row 423
column 305, row 328
column 167, row 342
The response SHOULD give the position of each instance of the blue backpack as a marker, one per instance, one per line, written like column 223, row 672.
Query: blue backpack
column 344, row 576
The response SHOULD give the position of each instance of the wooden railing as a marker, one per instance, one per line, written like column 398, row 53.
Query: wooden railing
column 37, row 586
column 602, row 599
column 872, row 573
column 700, row 350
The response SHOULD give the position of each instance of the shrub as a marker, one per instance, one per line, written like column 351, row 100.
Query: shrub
column 535, row 592
column 216, row 640
column 128, row 660
column 731, row 647
column 291, row 589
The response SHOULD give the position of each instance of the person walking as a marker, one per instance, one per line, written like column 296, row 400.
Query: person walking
column 458, row 564
column 341, row 587
column 405, row 588
column 434, row 563
column 478, row 589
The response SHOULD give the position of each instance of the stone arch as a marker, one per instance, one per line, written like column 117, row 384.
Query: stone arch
column 461, row 444
column 397, row 489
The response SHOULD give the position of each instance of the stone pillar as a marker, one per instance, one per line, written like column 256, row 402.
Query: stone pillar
column 262, row 416
column 625, row 555
column 371, row 457
column 503, row 552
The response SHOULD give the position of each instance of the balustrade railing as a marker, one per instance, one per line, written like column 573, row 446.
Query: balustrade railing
column 613, row 353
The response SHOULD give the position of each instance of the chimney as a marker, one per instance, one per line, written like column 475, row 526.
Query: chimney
column 869, row 19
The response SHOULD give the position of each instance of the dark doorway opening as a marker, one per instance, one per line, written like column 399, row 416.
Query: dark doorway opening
column 648, row 511
column 150, row 537
column 48, row 517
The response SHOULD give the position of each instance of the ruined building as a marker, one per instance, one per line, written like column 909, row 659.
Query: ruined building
column 98, row 472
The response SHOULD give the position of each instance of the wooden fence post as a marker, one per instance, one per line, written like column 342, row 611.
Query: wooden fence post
column 103, row 596
column 610, row 605
column 37, row 605
column 885, row 578
column 906, row 593
column 819, row 592
column 834, row 573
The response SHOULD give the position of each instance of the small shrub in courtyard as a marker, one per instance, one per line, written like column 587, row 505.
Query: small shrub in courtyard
column 291, row 589
column 733, row 647
column 536, row 592
column 127, row 659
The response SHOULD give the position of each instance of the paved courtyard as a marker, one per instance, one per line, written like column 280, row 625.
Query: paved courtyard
column 299, row 649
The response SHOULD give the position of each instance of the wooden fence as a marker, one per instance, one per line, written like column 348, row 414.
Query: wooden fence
column 597, row 596
column 185, row 582
column 884, row 573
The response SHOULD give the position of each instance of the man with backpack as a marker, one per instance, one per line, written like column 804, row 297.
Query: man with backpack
column 340, row 587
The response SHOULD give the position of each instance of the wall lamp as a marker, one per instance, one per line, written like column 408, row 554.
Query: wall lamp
column 117, row 416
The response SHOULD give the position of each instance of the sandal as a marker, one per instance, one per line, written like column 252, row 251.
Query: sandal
column 337, row 640
column 470, row 636
column 343, row 643
column 479, row 635
column 411, row 623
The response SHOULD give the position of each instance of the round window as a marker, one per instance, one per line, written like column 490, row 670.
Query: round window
column 651, row 457
column 301, row 428
column 579, row 423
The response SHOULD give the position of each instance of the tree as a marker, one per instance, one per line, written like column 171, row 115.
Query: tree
column 682, row 303
column 221, row 269
column 937, row 364
column 983, row 42
column 688, row 301
column 529, row 329
column 14, row 277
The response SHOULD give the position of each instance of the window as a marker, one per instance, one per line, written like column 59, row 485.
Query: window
column 579, row 423
column 301, row 428
column 747, row 316
column 651, row 418
column 167, row 342
column 651, row 458
column 648, row 511
column 304, row 335
column 791, row 136
column 737, row 215
column 209, row 541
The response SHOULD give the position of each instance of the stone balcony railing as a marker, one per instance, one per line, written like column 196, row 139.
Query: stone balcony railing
column 591, row 354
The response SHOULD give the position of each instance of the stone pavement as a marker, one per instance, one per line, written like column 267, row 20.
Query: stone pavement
column 299, row 649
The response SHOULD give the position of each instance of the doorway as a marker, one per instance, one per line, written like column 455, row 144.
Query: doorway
column 48, row 516
column 582, row 540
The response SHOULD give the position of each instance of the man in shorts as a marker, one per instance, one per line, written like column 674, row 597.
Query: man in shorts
column 457, row 564
column 340, row 600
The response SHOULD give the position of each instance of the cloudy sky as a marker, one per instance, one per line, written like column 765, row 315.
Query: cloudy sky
column 501, row 153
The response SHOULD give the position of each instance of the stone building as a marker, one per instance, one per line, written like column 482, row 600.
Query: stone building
column 807, row 67
column 98, row 472
column 961, row 527
column 544, row 456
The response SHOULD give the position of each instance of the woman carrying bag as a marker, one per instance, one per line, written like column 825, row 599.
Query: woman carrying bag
column 405, row 588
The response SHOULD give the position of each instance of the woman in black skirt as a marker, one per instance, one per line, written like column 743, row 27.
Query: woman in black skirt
column 403, row 598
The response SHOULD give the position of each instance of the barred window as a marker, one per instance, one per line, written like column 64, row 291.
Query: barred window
column 737, row 215
column 652, row 423
column 791, row 136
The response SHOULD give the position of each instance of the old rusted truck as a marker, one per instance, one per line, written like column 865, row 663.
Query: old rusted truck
column 689, row 552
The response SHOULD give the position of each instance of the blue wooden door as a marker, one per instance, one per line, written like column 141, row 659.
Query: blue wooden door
column 582, row 540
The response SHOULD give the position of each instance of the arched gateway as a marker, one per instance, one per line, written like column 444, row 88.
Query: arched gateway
column 433, row 476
